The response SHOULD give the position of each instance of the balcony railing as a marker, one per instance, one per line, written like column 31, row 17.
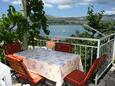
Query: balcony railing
column 89, row 49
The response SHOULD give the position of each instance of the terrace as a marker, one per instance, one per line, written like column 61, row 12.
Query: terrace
column 87, row 48
column 95, row 47
column 93, row 58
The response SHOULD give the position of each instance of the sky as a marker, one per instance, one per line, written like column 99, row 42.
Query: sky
column 65, row 8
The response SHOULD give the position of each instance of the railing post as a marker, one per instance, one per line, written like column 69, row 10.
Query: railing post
column 113, row 59
column 98, row 49
column 98, row 54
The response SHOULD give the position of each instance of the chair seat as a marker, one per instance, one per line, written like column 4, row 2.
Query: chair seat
column 35, row 77
column 75, row 77
column 79, row 78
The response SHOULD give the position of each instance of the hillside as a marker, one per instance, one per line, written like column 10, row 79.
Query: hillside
column 109, row 17
column 63, row 20
column 74, row 20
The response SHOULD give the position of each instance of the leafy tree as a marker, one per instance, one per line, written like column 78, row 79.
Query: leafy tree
column 12, row 25
column 37, row 19
column 107, row 27
column 94, row 20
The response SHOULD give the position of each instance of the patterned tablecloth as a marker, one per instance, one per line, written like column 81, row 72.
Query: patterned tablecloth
column 51, row 64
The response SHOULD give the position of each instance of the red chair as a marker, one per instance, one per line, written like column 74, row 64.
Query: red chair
column 24, row 75
column 12, row 48
column 79, row 78
column 63, row 47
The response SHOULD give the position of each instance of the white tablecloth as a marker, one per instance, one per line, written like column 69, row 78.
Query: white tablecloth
column 53, row 65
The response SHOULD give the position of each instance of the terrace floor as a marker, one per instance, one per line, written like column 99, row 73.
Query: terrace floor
column 107, row 80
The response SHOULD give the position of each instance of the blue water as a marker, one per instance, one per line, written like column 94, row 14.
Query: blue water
column 63, row 30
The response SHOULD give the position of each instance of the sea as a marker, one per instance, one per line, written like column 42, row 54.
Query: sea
column 63, row 30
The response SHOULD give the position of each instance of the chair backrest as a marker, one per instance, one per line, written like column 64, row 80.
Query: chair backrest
column 95, row 66
column 12, row 48
column 16, row 63
column 63, row 47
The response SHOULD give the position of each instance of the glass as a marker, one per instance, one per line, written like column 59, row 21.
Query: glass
column 50, row 44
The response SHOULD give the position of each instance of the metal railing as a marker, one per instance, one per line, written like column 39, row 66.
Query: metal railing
column 106, row 46
column 89, row 49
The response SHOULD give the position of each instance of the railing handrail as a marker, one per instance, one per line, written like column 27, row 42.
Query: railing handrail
column 89, row 27
column 113, row 34
column 79, row 38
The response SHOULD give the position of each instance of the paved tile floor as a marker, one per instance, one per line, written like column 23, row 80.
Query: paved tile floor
column 107, row 80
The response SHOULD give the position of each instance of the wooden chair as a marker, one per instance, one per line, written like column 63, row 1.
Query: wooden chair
column 12, row 48
column 63, row 47
column 24, row 75
column 79, row 78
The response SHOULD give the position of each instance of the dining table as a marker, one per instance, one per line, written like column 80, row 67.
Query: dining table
column 51, row 64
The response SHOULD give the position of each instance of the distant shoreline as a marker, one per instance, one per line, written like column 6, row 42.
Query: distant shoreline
column 65, row 24
column 51, row 20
